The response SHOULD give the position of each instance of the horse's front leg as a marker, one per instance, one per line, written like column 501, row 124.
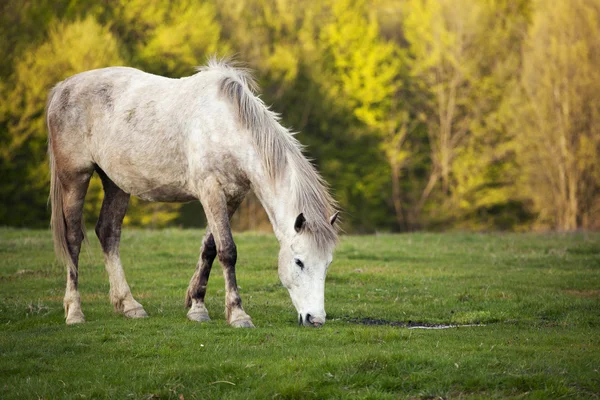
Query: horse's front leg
column 197, row 288
column 216, row 209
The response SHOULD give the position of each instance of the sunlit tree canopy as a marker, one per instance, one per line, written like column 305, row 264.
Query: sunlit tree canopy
column 421, row 114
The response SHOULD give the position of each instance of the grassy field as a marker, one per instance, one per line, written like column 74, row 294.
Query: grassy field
column 537, row 298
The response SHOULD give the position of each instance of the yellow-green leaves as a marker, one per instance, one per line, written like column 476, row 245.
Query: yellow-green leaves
column 470, row 114
column 363, row 68
column 184, row 38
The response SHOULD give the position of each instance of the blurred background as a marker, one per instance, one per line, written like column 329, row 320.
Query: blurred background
column 421, row 114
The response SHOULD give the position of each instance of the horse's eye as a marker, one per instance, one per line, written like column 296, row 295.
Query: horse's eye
column 299, row 263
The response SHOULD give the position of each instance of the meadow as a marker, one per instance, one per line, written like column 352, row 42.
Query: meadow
column 534, row 300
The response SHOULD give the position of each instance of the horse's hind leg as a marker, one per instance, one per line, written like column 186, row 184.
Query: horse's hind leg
column 108, row 230
column 74, row 189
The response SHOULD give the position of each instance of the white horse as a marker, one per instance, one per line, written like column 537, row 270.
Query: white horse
column 204, row 137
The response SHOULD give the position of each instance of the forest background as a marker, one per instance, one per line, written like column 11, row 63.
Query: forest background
column 421, row 114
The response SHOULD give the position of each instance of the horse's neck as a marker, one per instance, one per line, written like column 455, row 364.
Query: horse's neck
column 277, row 202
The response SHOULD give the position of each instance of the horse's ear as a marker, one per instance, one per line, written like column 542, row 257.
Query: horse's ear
column 299, row 222
column 334, row 218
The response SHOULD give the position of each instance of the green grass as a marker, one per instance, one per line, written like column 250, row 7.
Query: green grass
column 538, row 296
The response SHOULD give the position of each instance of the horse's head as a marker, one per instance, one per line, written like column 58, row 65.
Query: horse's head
column 303, row 265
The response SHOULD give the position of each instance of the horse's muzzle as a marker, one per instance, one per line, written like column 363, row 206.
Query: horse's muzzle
column 309, row 320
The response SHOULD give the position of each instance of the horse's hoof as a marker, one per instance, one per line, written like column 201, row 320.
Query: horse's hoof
column 75, row 317
column 138, row 312
column 198, row 316
column 242, row 323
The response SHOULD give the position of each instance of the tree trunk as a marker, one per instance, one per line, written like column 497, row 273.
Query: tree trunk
column 396, row 196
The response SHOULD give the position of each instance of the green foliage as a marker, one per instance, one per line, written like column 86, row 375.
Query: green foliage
column 539, row 340
column 175, row 37
column 485, row 173
column 70, row 48
column 435, row 114
column 361, row 69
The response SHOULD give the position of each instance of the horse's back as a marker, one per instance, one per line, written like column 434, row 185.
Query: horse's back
column 138, row 128
column 80, row 104
column 76, row 101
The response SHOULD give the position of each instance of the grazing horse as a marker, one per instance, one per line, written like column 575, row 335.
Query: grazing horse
column 205, row 137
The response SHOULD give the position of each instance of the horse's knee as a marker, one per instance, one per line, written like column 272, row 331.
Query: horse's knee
column 228, row 255
column 209, row 249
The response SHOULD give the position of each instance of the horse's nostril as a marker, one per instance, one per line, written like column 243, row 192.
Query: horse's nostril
column 317, row 322
column 299, row 319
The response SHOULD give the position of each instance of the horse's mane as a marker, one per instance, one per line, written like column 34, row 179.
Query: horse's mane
column 278, row 149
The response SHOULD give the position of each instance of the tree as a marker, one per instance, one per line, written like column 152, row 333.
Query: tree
column 462, row 58
column 70, row 48
column 363, row 75
column 169, row 38
column 441, row 36
column 317, row 66
column 436, row 114
column 558, row 123
column 486, row 185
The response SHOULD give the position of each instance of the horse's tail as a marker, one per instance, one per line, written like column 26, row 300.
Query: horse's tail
column 57, row 219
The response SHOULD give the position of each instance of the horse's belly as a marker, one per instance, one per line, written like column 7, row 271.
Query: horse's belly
column 166, row 184
column 152, row 190
column 166, row 193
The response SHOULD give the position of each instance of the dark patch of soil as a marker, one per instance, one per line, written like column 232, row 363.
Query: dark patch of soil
column 402, row 324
